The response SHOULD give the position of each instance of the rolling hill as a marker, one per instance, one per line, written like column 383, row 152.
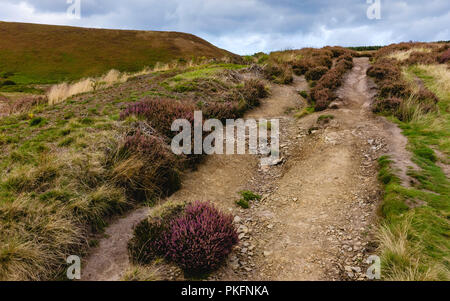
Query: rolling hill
column 33, row 53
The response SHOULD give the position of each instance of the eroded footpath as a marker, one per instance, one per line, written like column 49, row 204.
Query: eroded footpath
column 319, row 206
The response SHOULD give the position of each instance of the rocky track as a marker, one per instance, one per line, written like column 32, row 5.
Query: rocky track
column 318, row 208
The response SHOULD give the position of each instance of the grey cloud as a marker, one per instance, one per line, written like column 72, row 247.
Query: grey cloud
column 246, row 26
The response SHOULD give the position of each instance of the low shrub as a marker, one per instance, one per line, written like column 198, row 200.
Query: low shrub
column 417, row 57
column 316, row 73
column 384, row 69
column 160, row 113
column 222, row 110
column 343, row 64
column 444, row 57
column 300, row 67
column 391, row 105
column 145, row 166
column 426, row 95
column 321, row 96
column 338, row 51
column 253, row 91
column 200, row 239
column 35, row 121
column 323, row 61
column 279, row 73
column 331, row 80
column 390, row 88
column 7, row 83
column 147, row 243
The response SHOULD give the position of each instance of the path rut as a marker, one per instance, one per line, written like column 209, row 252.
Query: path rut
column 319, row 207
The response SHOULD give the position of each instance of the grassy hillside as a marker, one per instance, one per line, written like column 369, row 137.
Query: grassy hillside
column 32, row 53
column 66, row 168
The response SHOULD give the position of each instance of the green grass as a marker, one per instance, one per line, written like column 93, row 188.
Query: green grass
column 56, row 168
column 246, row 197
column 325, row 117
column 305, row 111
column 189, row 80
column 415, row 237
column 250, row 196
column 243, row 204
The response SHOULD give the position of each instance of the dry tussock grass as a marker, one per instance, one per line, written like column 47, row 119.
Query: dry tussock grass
column 48, row 220
column 60, row 92
column 403, row 55
column 441, row 73
column 36, row 239
column 401, row 261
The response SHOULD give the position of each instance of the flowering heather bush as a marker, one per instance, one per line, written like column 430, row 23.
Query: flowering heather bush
column 200, row 239
column 160, row 113
column 344, row 63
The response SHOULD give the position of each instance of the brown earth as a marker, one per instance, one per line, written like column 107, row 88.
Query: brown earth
column 318, row 208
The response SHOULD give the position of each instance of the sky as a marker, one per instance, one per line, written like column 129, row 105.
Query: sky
column 249, row 26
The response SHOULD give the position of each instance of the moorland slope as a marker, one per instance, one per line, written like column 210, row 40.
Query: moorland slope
column 34, row 53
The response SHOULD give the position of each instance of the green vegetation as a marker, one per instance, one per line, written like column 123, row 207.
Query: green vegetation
column 67, row 168
column 305, row 111
column 246, row 197
column 414, row 238
column 303, row 94
column 243, row 204
column 193, row 78
column 325, row 118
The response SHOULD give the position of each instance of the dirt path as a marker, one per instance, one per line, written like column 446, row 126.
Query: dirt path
column 318, row 207
column 110, row 260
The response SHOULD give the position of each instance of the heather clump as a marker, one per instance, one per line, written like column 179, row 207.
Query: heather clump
column 160, row 113
column 196, row 237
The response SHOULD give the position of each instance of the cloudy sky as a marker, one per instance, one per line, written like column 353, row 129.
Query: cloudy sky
column 248, row 26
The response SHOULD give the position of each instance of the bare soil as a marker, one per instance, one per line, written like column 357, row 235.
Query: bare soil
column 318, row 208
